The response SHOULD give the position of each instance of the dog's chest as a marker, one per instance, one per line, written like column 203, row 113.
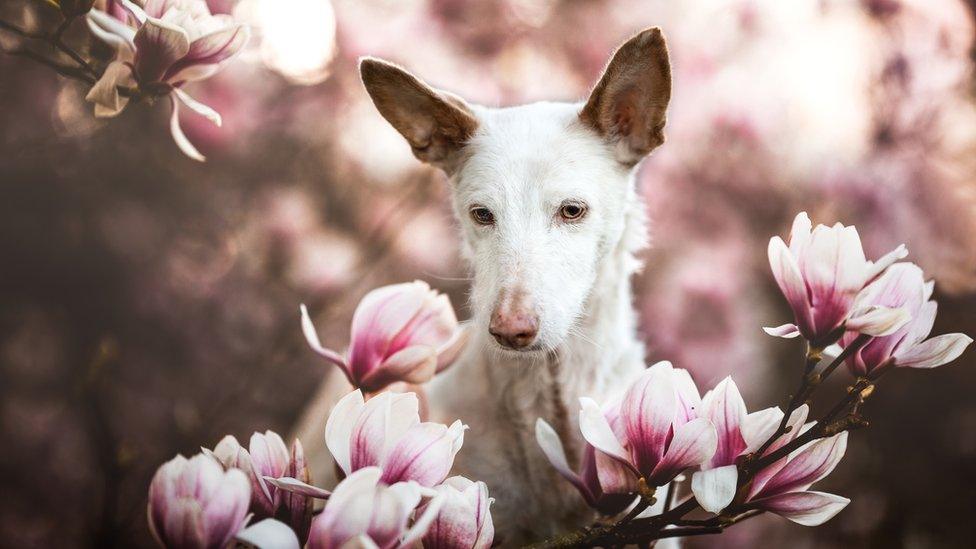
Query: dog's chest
column 501, row 400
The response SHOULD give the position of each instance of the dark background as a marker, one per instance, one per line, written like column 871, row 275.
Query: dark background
column 148, row 303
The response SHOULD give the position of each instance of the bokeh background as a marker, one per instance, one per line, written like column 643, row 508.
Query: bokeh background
column 149, row 304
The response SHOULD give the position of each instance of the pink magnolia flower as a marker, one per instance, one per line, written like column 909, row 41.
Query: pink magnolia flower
column 386, row 432
column 903, row 285
column 464, row 520
column 268, row 534
column 269, row 465
column 171, row 43
column 739, row 433
column 404, row 332
column 783, row 488
column 194, row 503
column 364, row 512
column 820, row 274
column 600, row 476
column 660, row 434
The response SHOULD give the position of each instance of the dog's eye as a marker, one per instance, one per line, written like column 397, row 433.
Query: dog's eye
column 482, row 215
column 572, row 211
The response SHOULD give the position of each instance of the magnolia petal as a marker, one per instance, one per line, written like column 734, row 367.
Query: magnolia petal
column 800, row 233
column 689, row 400
column 786, row 271
column 198, row 107
column 879, row 321
column 919, row 328
column 614, row 476
column 208, row 53
column 552, row 447
column 425, row 454
column 135, row 10
column 224, row 514
column 724, row 407
column 794, row 425
column 451, row 350
column 786, row 331
column 380, row 316
column 384, row 420
column 934, row 352
column 179, row 137
column 693, row 444
column 312, row 337
column 349, row 510
column 875, row 269
column 820, row 265
column 715, row 488
column 268, row 534
column 392, row 509
column 159, row 44
column 597, row 431
column 808, row 465
column 227, row 450
column 416, row 364
column 295, row 486
column 339, row 427
column 360, row 542
column 110, row 30
column 423, row 522
column 849, row 273
column 759, row 426
column 648, row 411
column 806, row 508
column 105, row 93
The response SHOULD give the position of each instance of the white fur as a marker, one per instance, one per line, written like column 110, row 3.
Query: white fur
column 523, row 163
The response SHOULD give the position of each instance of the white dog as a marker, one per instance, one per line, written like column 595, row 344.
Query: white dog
column 545, row 198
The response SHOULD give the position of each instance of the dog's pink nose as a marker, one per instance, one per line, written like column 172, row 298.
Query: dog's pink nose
column 515, row 329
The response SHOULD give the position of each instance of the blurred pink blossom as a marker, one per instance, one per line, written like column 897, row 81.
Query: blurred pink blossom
column 403, row 332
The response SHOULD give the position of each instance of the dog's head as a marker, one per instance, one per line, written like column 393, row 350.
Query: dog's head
column 540, row 190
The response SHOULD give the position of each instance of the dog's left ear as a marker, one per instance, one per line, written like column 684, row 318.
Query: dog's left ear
column 629, row 104
column 437, row 124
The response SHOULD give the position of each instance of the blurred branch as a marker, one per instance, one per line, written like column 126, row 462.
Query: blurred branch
column 81, row 71
column 63, row 70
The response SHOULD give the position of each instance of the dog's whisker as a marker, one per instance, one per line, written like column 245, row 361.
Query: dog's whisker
column 578, row 333
column 449, row 278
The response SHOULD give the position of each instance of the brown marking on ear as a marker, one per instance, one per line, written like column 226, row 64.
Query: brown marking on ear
column 629, row 103
column 435, row 123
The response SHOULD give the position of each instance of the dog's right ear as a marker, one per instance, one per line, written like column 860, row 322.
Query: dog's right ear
column 435, row 123
column 629, row 104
